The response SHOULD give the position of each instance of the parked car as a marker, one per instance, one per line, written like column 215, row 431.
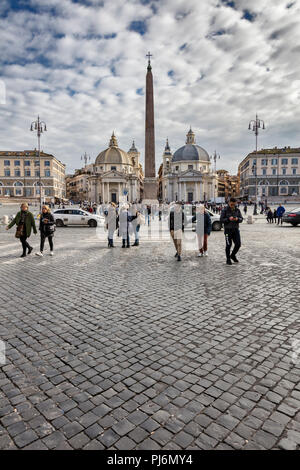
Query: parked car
column 292, row 217
column 215, row 219
column 69, row 216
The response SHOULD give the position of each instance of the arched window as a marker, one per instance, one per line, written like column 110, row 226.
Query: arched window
column 283, row 183
column 18, row 185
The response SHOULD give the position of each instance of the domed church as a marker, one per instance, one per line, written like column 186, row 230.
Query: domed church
column 186, row 174
column 116, row 175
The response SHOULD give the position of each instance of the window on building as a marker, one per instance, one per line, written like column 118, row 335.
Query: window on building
column 37, row 173
column 274, row 171
column 27, row 163
column 264, row 161
column 284, row 171
column 284, row 161
column 264, row 171
column 47, row 173
column 6, row 172
column 294, row 171
column 190, row 167
column 47, row 162
column 7, row 192
column 36, row 163
column 17, row 163
column 6, row 162
column 113, row 168
column 274, row 161
column 254, row 161
column 283, row 190
column 17, row 173
column 294, row 161
column 47, row 192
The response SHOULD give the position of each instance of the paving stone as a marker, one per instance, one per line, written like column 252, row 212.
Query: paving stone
column 25, row 438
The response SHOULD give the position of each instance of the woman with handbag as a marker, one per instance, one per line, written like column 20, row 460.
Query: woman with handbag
column 24, row 221
column 47, row 228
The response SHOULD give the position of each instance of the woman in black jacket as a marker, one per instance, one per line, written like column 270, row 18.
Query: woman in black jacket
column 47, row 227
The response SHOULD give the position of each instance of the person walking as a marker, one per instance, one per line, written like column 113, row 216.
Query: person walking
column 203, row 228
column 245, row 209
column 231, row 217
column 24, row 221
column 280, row 211
column 269, row 215
column 111, row 223
column 47, row 228
column 124, row 226
column 176, row 227
column 136, row 219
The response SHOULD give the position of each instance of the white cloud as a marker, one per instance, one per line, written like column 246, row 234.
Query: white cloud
column 79, row 66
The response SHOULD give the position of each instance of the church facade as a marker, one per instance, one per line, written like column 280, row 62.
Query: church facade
column 186, row 175
column 116, row 176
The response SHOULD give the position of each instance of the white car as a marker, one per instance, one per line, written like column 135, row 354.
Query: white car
column 215, row 221
column 68, row 216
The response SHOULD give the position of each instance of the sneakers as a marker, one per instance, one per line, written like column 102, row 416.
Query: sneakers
column 200, row 255
column 39, row 254
column 234, row 258
column 51, row 253
column 205, row 253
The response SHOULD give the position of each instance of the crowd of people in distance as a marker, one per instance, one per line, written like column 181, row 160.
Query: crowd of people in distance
column 126, row 219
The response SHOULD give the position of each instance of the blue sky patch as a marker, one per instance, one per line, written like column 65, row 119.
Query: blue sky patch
column 248, row 16
column 139, row 27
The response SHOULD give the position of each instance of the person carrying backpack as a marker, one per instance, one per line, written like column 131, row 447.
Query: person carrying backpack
column 231, row 217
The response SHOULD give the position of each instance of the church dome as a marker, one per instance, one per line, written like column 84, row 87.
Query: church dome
column 190, row 151
column 113, row 154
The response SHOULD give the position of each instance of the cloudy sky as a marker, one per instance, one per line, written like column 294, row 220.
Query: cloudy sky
column 80, row 65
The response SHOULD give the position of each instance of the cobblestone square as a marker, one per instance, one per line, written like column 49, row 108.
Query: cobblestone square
column 129, row 349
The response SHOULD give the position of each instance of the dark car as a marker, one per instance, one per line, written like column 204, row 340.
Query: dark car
column 292, row 217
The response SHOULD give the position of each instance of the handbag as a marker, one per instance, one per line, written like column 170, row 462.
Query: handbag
column 20, row 231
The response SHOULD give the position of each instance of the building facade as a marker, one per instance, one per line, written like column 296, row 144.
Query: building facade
column 24, row 174
column 227, row 185
column 116, row 175
column 271, row 174
column 186, row 175
column 77, row 184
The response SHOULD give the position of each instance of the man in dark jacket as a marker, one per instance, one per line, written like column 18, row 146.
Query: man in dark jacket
column 231, row 217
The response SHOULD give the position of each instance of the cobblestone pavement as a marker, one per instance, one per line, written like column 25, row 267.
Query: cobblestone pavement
column 129, row 349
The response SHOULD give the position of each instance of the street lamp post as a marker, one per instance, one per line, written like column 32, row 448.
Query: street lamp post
column 40, row 127
column 254, row 125
column 215, row 157
column 254, row 172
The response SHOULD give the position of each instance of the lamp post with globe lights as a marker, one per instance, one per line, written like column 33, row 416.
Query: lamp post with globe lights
column 214, row 158
column 254, row 125
column 40, row 127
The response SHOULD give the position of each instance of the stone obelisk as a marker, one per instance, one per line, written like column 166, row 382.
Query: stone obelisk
column 150, row 181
